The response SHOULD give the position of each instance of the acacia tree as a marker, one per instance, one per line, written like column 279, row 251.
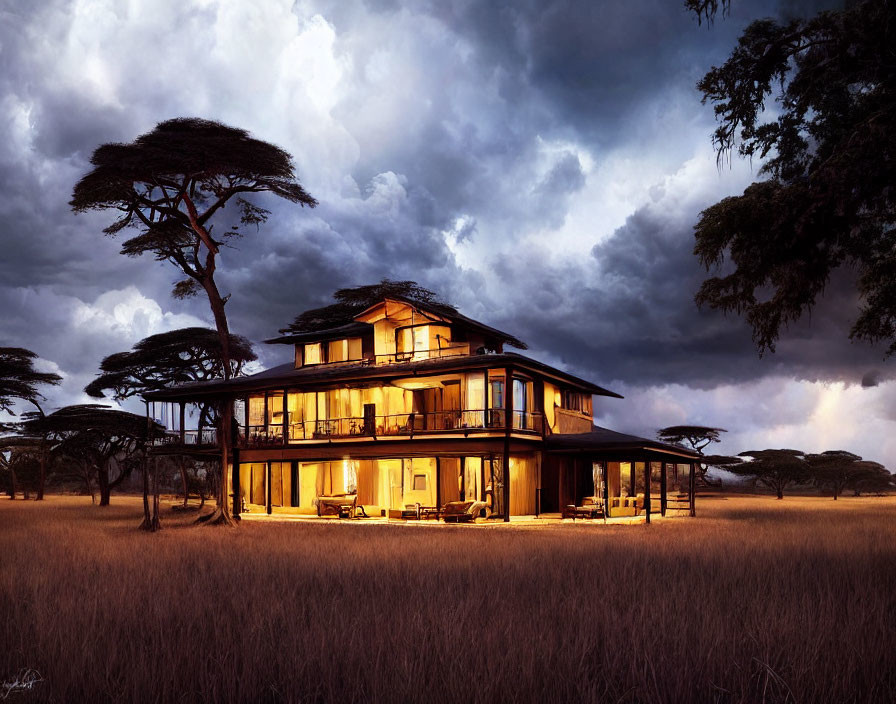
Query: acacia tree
column 19, row 381
column 826, row 200
column 775, row 469
column 174, row 357
column 697, row 437
column 871, row 477
column 171, row 184
column 835, row 469
column 100, row 438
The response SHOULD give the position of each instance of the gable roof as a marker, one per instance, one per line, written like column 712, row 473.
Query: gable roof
column 339, row 320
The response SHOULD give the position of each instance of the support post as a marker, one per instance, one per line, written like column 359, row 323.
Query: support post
column 646, row 489
column 692, row 490
column 285, row 419
column 182, row 432
column 663, row 497
column 235, row 480
column 267, row 487
column 438, row 485
column 508, row 425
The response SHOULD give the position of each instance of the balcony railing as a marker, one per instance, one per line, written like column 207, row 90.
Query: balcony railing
column 419, row 355
column 203, row 437
column 401, row 424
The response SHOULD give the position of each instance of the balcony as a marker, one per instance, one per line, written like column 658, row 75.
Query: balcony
column 457, row 422
column 205, row 437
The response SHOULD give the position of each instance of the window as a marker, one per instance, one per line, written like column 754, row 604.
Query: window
column 419, row 483
column 313, row 353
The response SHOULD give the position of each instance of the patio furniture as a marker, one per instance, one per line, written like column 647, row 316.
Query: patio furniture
column 340, row 505
column 462, row 511
column 592, row 507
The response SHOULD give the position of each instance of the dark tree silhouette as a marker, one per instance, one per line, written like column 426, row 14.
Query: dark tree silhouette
column 775, row 469
column 99, row 438
column 175, row 357
column 834, row 469
column 871, row 478
column 170, row 184
column 827, row 198
column 19, row 381
column 697, row 437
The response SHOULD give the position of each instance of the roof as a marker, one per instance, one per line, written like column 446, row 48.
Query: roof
column 606, row 439
column 348, row 330
column 288, row 375
column 356, row 328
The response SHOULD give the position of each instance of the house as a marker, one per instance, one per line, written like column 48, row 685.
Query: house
column 406, row 405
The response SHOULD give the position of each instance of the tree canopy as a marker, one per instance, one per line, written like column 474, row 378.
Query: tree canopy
column 697, row 437
column 174, row 357
column 95, row 436
column 828, row 147
column 19, row 379
column 775, row 469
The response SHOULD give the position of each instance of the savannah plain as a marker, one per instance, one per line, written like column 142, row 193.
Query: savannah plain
column 755, row 600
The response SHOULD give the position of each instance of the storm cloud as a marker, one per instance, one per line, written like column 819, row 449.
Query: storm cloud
column 540, row 164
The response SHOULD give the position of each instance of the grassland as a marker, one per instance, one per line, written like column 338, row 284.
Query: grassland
column 755, row 600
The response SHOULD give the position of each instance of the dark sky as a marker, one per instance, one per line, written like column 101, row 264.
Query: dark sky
column 540, row 164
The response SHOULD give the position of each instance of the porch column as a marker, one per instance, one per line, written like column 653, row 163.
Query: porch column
column 438, row 485
column 267, row 487
column 646, row 489
column 285, row 419
column 508, row 424
column 663, row 498
column 605, row 469
column 235, row 479
column 182, row 434
column 692, row 490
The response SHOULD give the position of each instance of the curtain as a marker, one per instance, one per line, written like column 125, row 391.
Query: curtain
column 522, row 485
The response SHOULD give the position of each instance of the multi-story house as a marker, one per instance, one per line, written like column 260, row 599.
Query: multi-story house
column 412, row 405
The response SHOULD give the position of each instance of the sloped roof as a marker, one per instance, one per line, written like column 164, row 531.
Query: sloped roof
column 340, row 320
column 605, row 439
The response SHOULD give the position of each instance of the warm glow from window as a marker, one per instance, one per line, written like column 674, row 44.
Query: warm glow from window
column 313, row 353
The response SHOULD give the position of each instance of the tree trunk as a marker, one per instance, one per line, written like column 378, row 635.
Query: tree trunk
column 156, row 518
column 221, row 514
column 183, row 477
column 42, row 478
column 780, row 492
column 103, row 481
column 147, row 519
column 12, row 482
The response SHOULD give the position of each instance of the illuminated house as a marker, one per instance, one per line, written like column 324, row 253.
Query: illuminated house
column 409, row 406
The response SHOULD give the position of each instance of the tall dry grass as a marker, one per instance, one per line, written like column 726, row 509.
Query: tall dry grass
column 755, row 600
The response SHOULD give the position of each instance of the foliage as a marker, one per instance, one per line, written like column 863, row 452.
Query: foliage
column 96, row 438
column 827, row 200
column 19, row 379
column 170, row 182
column 775, row 469
column 871, row 478
column 834, row 469
column 696, row 436
column 350, row 302
column 175, row 357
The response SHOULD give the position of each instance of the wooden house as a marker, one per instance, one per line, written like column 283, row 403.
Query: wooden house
column 411, row 406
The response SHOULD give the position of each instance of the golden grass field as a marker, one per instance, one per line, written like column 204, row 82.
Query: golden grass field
column 754, row 600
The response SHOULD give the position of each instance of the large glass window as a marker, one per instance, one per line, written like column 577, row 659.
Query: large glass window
column 496, row 403
column 475, row 401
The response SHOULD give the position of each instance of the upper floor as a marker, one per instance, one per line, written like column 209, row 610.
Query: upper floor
column 395, row 330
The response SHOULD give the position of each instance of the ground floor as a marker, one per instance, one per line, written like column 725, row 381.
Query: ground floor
column 534, row 483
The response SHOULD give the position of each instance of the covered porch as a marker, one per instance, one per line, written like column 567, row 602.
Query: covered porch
column 625, row 475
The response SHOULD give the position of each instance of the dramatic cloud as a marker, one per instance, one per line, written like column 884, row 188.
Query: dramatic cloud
column 541, row 164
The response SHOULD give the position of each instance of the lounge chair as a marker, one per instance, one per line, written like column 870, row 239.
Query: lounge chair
column 463, row 511
column 592, row 507
column 341, row 505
